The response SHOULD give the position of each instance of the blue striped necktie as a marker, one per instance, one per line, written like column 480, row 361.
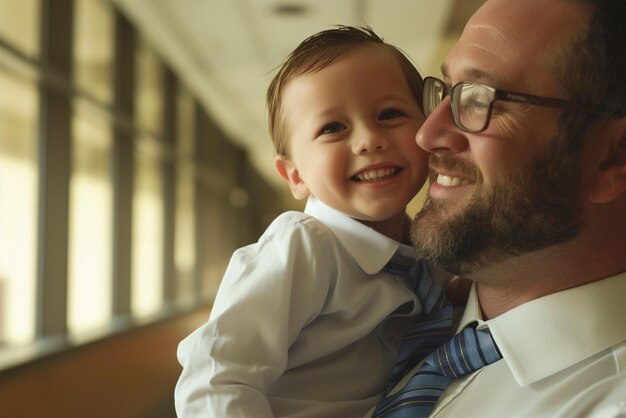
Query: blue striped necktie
column 465, row 353
column 431, row 328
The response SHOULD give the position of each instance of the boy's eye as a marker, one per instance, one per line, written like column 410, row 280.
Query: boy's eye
column 390, row 114
column 332, row 128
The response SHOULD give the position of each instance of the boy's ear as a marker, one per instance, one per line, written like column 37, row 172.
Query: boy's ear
column 610, row 177
column 289, row 172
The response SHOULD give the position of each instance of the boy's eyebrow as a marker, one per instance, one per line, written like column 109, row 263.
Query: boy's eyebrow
column 326, row 111
column 394, row 96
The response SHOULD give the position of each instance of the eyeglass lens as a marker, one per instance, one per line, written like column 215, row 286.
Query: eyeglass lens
column 470, row 103
column 433, row 94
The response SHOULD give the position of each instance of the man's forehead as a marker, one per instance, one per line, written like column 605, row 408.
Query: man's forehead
column 509, row 35
column 480, row 55
column 525, row 23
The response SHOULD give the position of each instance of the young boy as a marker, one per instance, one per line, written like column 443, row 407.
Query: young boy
column 302, row 323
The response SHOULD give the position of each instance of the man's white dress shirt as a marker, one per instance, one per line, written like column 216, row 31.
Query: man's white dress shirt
column 564, row 355
column 299, row 326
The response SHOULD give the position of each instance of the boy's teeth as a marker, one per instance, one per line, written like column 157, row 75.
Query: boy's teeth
column 377, row 174
column 451, row 180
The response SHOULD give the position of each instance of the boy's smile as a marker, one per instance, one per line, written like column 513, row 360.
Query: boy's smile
column 375, row 174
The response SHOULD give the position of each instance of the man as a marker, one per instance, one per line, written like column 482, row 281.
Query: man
column 528, row 200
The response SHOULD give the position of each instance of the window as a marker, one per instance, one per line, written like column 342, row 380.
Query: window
column 18, row 208
column 147, row 248
column 149, row 92
column 184, row 257
column 19, row 25
column 148, row 208
column 93, row 48
column 91, row 194
column 90, row 237
column 19, row 28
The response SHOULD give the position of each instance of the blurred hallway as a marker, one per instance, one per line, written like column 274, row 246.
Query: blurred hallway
column 134, row 159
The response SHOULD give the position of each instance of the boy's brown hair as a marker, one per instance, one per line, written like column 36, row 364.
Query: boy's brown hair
column 317, row 52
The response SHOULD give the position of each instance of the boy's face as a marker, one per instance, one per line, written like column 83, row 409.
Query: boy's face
column 351, row 128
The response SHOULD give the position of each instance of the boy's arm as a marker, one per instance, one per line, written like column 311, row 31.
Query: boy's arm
column 262, row 304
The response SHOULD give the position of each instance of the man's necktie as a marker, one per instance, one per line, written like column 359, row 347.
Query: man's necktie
column 465, row 353
column 431, row 328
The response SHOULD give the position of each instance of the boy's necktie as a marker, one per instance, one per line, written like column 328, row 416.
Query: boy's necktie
column 431, row 328
column 465, row 353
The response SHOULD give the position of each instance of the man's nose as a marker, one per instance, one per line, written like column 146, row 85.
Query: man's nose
column 439, row 134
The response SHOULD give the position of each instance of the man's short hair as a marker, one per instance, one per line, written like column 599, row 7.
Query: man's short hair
column 592, row 68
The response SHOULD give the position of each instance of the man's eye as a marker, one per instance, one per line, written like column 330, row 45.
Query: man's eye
column 332, row 128
column 390, row 114
column 477, row 106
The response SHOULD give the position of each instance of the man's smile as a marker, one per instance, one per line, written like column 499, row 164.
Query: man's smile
column 447, row 180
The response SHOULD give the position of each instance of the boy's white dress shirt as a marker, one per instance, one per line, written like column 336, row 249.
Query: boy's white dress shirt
column 299, row 326
column 564, row 355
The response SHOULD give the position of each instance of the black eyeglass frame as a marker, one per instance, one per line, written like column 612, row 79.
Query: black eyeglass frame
column 503, row 95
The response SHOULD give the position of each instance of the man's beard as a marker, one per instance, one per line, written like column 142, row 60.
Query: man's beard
column 532, row 209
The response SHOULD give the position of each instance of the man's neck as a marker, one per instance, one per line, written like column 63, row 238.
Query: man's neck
column 530, row 276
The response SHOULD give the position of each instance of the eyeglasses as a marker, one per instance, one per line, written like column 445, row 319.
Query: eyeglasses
column 472, row 102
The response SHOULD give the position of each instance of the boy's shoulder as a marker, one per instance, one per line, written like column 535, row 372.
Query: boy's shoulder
column 293, row 223
column 293, row 220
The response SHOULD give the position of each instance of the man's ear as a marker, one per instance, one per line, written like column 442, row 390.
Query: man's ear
column 287, row 170
column 610, row 176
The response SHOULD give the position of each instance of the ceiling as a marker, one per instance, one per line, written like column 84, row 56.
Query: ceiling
column 227, row 51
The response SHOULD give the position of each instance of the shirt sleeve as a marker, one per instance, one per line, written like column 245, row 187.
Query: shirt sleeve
column 270, row 291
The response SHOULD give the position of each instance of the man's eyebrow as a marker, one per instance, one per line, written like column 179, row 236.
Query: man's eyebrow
column 471, row 74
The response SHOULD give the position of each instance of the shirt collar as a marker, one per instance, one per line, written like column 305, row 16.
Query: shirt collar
column 544, row 336
column 369, row 248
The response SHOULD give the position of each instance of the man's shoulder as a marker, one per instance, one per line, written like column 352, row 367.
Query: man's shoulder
column 605, row 397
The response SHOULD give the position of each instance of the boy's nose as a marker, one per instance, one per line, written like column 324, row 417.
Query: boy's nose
column 370, row 141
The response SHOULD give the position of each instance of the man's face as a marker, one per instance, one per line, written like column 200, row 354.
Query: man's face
column 512, row 188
